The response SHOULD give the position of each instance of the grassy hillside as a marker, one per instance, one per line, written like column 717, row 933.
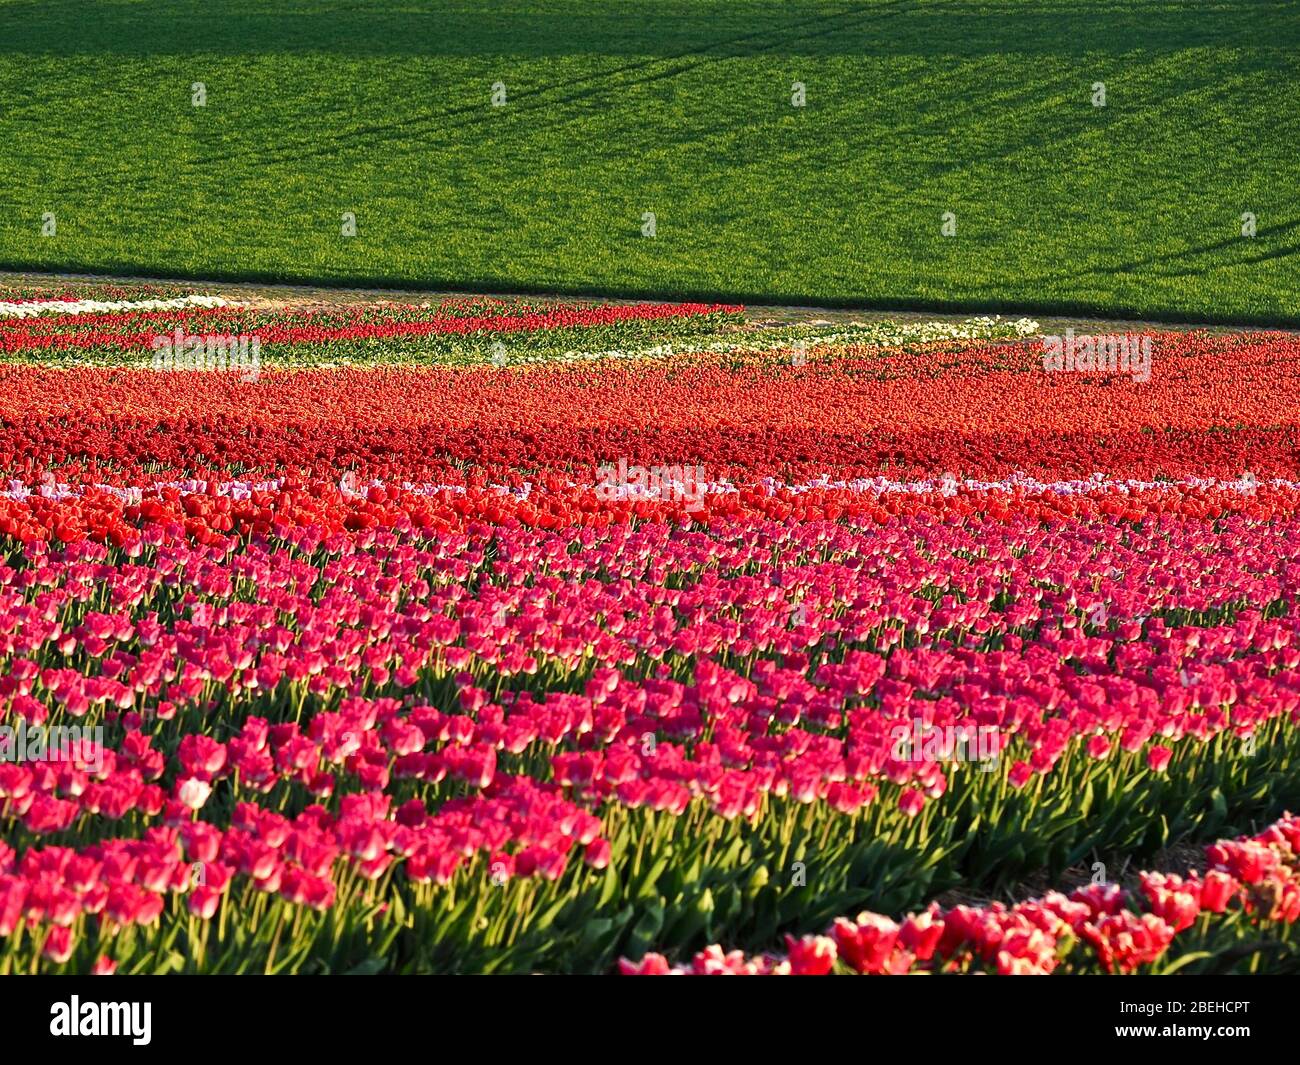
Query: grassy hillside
column 681, row 108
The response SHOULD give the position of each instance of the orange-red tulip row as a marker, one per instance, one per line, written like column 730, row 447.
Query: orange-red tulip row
column 209, row 511
column 1215, row 406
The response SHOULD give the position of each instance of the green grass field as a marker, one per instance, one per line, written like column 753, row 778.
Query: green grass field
column 681, row 108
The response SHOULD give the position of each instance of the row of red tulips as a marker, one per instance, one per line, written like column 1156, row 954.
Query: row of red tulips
column 1215, row 406
column 1249, row 898
column 210, row 512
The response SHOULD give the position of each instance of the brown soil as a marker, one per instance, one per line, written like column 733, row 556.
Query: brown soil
column 307, row 296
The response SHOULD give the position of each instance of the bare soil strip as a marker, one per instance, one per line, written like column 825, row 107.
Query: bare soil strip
column 304, row 297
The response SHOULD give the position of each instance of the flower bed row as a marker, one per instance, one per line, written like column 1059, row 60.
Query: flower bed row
column 1216, row 407
column 209, row 511
column 33, row 308
column 1238, row 915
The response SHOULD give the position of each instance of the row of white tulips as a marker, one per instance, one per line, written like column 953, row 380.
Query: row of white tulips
column 34, row 308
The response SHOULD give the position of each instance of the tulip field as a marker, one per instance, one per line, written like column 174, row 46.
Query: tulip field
column 494, row 635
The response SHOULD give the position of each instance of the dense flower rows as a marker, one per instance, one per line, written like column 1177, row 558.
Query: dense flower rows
column 1214, row 407
column 458, row 331
column 120, row 328
column 507, row 670
column 773, row 676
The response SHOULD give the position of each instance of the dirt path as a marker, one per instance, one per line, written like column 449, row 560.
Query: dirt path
column 257, row 294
